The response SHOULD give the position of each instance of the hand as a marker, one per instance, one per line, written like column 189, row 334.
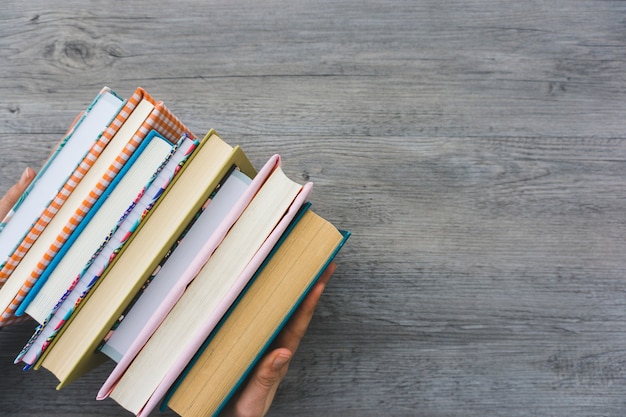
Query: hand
column 256, row 396
column 14, row 193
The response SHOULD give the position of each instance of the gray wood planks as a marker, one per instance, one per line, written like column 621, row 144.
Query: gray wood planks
column 475, row 149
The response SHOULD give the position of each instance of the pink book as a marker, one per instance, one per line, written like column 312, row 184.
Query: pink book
column 191, row 272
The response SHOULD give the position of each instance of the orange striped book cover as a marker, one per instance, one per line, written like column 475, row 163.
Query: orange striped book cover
column 159, row 119
column 57, row 202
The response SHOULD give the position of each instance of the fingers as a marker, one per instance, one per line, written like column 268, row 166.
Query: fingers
column 256, row 397
column 14, row 193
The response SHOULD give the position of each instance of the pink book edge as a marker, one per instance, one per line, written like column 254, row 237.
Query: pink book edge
column 226, row 302
column 190, row 273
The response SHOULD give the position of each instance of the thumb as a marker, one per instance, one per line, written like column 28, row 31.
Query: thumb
column 258, row 393
column 273, row 369
column 13, row 194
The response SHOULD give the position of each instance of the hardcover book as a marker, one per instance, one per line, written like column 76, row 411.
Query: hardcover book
column 164, row 278
column 168, row 254
column 152, row 154
column 56, row 171
column 247, row 329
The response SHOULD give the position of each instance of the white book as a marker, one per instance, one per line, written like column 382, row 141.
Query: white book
column 136, row 175
column 59, row 167
column 54, row 229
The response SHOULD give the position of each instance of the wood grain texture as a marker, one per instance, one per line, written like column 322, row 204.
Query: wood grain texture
column 476, row 150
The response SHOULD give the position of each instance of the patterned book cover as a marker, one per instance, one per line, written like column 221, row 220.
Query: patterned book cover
column 57, row 150
column 161, row 120
column 111, row 247
column 56, row 203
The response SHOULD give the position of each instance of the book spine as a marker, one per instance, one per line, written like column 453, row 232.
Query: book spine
column 83, row 223
column 105, row 255
column 54, row 206
column 161, row 120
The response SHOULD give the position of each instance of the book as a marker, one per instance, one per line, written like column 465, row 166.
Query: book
column 137, row 173
column 129, row 224
column 165, row 269
column 191, row 270
column 70, row 184
column 254, row 320
column 131, row 132
column 164, row 277
column 54, row 173
column 73, row 350
column 97, row 175
column 207, row 290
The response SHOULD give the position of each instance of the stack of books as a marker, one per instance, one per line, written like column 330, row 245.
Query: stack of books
column 171, row 255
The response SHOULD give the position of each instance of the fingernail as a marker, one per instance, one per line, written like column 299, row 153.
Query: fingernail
column 281, row 361
column 25, row 175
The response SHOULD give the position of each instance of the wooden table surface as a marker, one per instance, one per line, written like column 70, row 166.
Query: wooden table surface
column 476, row 150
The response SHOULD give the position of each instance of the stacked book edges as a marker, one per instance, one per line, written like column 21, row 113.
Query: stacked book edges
column 171, row 255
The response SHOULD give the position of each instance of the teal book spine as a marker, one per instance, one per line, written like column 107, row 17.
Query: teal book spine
column 81, row 117
column 81, row 226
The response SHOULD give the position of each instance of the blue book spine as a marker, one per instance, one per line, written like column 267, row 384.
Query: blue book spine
column 83, row 223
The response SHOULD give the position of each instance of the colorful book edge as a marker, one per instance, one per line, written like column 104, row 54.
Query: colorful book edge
column 34, row 290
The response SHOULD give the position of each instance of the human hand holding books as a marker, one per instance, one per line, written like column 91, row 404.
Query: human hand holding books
column 257, row 394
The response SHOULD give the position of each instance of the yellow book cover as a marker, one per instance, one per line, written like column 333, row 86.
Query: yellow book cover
column 259, row 314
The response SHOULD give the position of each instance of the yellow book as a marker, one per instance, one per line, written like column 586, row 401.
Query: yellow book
column 230, row 353
column 73, row 352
